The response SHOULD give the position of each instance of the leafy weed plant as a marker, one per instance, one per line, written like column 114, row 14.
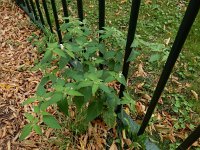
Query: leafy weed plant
column 72, row 78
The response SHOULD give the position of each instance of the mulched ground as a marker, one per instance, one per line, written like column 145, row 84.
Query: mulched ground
column 16, row 81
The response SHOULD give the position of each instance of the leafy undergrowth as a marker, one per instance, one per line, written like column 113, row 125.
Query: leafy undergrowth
column 177, row 113
column 169, row 124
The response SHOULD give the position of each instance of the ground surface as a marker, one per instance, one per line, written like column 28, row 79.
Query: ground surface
column 16, row 81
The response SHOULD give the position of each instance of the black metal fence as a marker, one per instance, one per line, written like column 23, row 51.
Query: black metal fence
column 38, row 11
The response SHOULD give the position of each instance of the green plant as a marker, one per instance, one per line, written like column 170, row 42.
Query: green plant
column 72, row 78
column 179, row 102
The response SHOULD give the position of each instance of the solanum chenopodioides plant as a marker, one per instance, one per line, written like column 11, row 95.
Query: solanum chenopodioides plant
column 72, row 77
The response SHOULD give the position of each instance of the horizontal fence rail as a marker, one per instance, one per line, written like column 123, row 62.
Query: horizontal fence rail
column 39, row 13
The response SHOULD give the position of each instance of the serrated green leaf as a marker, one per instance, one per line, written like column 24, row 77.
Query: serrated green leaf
column 52, row 45
column 102, row 48
column 45, row 113
column 51, row 122
column 127, row 96
column 134, row 54
column 47, row 95
column 60, row 52
column 84, row 84
column 104, row 88
column 92, row 76
column 109, row 54
column 29, row 101
column 107, row 76
column 109, row 79
column 74, row 93
column 112, row 101
column 63, row 106
column 25, row 131
column 47, row 57
column 121, row 79
column 118, row 67
column 80, row 101
column 99, row 61
column 135, row 43
column 156, row 47
column 36, row 120
column 36, row 109
column 154, row 57
column 73, row 74
column 40, row 89
column 71, row 54
column 29, row 117
column 57, row 96
column 53, row 77
column 109, row 117
column 94, row 88
column 94, row 110
column 63, row 62
column 37, row 129
column 59, row 88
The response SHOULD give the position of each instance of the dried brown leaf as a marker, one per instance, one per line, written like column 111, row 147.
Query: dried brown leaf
column 196, row 96
column 113, row 146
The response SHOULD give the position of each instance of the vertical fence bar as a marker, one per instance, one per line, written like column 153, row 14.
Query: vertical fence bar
column 80, row 9
column 101, row 14
column 65, row 11
column 34, row 10
column 19, row 2
column 23, row 3
column 101, row 20
column 56, row 21
column 182, row 34
column 47, row 15
column 194, row 136
column 39, row 11
column 28, row 6
column 130, row 37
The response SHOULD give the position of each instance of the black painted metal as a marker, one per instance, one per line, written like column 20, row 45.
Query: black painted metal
column 65, row 11
column 184, row 29
column 130, row 37
column 80, row 9
column 28, row 6
column 47, row 15
column 39, row 11
column 34, row 10
column 101, row 14
column 56, row 20
column 194, row 136
column 17, row 2
column 101, row 19
column 22, row 2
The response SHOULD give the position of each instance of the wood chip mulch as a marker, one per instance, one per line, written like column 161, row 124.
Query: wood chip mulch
column 17, row 82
